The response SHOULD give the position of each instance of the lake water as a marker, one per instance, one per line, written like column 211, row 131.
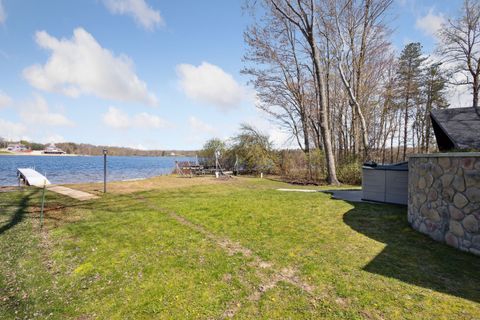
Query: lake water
column 64, row 169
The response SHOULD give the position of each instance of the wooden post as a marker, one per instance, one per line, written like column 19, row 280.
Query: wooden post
column 104, row 170
column 43, row 203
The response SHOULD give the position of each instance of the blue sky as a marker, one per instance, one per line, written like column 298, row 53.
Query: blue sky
column 151, row 74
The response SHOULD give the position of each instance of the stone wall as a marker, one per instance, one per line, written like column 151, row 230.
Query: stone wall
column 444, row 198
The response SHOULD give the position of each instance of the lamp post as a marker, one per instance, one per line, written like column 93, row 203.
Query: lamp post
column 105, row 170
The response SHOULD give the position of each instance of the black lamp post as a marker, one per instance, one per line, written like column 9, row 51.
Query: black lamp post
column 105, row 170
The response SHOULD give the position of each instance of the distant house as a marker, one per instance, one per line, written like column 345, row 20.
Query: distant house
column 456, row 128
column 17, row 147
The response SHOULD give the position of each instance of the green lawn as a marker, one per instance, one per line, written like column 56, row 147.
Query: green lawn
column 234, row 249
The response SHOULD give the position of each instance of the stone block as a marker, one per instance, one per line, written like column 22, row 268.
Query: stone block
column 429, row 180
column 468, row 163
column 459, row 200
column 476, row 241
column 421, row 198
column 424, row 210
column 423, row 228
column 437, row 171
column 470, row 208
column 444, row 162
column 437, row 235
column 447, row 194
column 451, row 240
column 458, row 183
column 472, row 178
column 473, row 194
column 456, row 228
column 477, row 165
column 422, row 183
column 470, row 223
column 474, row 251
column 446, row 179
column 455, row 213
column 433, row 215
column 432, row 195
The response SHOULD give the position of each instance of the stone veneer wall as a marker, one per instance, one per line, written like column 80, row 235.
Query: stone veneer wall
column 444, row 198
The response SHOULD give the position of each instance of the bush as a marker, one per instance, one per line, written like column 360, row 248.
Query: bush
column 350, row 172
column 294, row 166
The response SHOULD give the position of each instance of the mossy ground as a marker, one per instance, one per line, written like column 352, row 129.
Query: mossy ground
column 210, row 249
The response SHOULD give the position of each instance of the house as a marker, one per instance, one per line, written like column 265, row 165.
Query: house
column 456, row 128
column 17, row 147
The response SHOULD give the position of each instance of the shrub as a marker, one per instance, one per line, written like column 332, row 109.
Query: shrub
column 350, row 172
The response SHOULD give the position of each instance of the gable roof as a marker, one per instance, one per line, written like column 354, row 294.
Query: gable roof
column 456, row 128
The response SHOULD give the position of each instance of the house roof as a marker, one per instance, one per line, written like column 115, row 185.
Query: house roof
column 456, row 128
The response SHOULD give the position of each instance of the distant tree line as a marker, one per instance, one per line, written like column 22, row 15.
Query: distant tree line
column 326, row 73
column 93, row 150
column 88, row 149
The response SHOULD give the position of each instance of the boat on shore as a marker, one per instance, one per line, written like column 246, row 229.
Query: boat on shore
column 52, row 149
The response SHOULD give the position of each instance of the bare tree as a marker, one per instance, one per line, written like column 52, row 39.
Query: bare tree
column 460, row 45
column 359, row 35
column 279, row 77
column 304, row 15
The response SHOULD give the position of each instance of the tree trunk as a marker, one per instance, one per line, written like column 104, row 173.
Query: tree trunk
column 405, row 130
column 324, row 127
column 475, row 94
column 357, row 110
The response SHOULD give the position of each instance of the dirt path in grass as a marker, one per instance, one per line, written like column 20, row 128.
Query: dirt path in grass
column 266, row 270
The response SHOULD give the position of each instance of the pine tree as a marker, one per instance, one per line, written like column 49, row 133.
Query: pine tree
column 434, row 86
column 409, row 83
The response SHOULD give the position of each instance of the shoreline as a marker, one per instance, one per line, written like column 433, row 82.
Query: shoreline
column 36, row 153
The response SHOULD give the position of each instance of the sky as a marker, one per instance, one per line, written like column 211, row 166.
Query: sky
column 147, row 74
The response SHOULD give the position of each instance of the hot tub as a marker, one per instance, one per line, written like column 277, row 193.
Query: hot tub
column 385, row 183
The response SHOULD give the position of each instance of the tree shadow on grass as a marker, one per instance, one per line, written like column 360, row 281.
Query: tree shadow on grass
column 412, row 257
column 19, row 213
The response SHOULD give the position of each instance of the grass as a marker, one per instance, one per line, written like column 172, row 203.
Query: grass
column 201, row 248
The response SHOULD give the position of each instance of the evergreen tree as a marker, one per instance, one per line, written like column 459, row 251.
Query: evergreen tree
column 409, row 84
column 434, row 86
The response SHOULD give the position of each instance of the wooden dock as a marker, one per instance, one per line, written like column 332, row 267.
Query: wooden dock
column 30, row 177
column 72, row 193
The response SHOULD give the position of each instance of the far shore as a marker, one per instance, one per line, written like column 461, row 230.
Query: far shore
column 4, row 152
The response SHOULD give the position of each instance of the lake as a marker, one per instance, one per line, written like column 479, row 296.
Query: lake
column 65, row 169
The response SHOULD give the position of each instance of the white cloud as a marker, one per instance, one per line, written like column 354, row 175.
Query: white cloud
column 458, row 96
column 431, row 23
column 118, row 119
column 279, row 137
column 12, row 131
column 55, row 138
column 143, row 14
column 3, row 13
column 147, row 120
column 81, row 66
column 201, row 127
column 38, row 112
column 209, row 84
column 5, row 100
